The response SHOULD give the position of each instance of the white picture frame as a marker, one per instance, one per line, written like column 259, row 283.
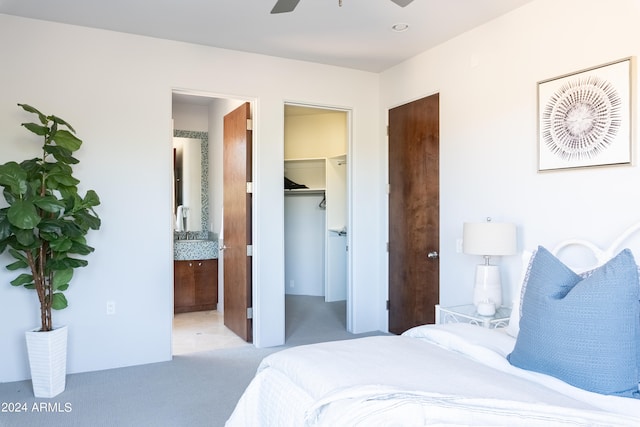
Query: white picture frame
column 585, row 118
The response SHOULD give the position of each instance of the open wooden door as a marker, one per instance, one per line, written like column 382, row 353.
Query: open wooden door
column 414, row 221
column 237, row 222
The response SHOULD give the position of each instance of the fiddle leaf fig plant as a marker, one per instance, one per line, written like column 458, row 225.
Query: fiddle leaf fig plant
column 45, row 223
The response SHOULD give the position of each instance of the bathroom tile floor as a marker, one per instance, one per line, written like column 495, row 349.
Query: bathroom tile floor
column 202, row 331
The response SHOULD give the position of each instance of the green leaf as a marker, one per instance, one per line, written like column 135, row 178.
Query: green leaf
column 18, row 255
column 59, row 121
column 5, row 225
column 25, row 237
column 62, row 244
column 13, row 176
column 61, row 173
column 43, row 119
column 49, row 204
column 67, row 194
column 80, row 246
column 33, row 167
column 61, row 154
column 62, row 263
column 50, row 225
column 91, row 199
column 17, row 265
column 23, row 214
column 23, row 279
column 87, row 220
column 80, row 249
column 66, row 139
column 62, row 277
column 64, row 180
column 37, row 129
column 71, row 229
column 58, row 301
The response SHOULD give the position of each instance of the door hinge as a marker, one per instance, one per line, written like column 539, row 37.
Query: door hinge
column 249, row 312
column 249, row 250
column 387, row 246
column 249, row 187
column 387, row 130
column 388, row 305
column 388, row 188
column 249, row 124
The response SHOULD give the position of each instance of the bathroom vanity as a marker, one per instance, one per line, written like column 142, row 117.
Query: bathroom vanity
column 195, row 285
column 195, row 275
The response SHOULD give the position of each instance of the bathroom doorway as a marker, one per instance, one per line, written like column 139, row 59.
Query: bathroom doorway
column 198, row 264
column 316, row 200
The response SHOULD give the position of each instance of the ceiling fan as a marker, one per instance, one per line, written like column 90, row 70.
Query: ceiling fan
column 284, row 6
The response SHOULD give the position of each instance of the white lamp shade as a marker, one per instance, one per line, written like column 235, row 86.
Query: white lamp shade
column 489, row 238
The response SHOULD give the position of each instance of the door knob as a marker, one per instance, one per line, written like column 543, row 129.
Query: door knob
column 432, row 255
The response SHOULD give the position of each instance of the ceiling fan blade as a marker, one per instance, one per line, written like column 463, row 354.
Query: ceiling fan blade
column 284, row 6
column 402, row 3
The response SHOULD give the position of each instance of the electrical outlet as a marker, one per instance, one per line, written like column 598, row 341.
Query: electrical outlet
column 111, row 308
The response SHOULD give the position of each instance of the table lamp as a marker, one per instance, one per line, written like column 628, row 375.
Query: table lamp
column 488, row 239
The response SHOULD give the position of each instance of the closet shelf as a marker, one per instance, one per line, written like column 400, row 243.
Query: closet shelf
column 305, row 191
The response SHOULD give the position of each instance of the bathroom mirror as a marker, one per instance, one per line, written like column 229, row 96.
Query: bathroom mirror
column 190, row 172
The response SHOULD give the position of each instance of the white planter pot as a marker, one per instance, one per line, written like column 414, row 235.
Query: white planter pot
column 48, row 361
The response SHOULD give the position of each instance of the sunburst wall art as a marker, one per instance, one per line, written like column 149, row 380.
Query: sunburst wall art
column 584, row 118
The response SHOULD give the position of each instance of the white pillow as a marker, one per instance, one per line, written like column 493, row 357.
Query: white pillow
column 514, row 321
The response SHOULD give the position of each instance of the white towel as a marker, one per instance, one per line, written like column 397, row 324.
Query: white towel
column 179, row 222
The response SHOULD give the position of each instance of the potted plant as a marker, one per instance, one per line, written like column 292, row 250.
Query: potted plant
column 44, row 228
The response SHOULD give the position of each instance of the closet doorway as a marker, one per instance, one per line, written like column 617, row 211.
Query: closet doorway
column 316, row 141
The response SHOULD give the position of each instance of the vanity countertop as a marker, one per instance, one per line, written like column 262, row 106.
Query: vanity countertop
column 195, row 249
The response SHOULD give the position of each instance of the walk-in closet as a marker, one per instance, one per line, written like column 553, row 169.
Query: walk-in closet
column 315, row 202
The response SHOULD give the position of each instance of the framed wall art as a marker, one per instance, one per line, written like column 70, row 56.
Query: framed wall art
column 585, row 118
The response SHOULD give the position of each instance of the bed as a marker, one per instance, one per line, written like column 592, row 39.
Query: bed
column 570, row 356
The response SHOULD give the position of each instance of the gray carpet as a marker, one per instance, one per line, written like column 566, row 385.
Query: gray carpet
column 199, row 389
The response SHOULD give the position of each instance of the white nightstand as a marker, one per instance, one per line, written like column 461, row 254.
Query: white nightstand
column 468, row 314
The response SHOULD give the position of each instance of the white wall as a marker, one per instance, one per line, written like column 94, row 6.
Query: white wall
column 315, row 135
column 190, row 117
column 487, row 84
column 115, row 89
column 304, row 237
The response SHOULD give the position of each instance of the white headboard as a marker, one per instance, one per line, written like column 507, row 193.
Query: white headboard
column 601, row 255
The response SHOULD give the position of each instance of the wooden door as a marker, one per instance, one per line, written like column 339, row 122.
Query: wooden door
column 413, row 213
column 237, row 221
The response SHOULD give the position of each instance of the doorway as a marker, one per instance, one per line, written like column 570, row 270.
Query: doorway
column 414, row 206
column 316, row 203
column 198, row 326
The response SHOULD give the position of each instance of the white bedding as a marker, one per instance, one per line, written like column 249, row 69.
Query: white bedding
column 454, row 374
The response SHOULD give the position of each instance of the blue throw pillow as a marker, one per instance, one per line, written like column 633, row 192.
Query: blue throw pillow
column 582, row 330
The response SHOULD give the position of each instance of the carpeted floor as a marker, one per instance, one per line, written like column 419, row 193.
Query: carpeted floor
column 199, row 389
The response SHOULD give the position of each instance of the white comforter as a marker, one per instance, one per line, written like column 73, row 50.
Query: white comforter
column 453, row 374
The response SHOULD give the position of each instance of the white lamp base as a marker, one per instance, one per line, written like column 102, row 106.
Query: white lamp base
column 488, row 287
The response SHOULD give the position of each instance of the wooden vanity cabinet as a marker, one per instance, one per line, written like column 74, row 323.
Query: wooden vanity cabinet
column 195, row 285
